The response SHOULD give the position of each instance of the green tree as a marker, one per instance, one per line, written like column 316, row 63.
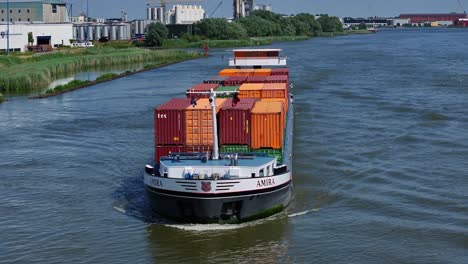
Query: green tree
column 155, row 35
column 258, row 27
column 362, row 26
column 219, row 28
column 314, row 26
column 330, row 24
column 30, row 38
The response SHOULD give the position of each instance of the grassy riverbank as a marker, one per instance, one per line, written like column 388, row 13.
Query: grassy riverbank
column 344, row 33
column 30, row 72
column 1, row 98
column 260, row 41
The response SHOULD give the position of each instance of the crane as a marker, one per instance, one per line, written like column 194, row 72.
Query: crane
column 461, row 6
column 216, row 9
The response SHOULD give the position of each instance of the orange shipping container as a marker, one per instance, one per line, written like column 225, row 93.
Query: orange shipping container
column 274, row 90
column 262, row 72
column 236, row 72
column 199, row 122
column 227, row 72
column 283, row 100
column 267, row 125
column 250, row 90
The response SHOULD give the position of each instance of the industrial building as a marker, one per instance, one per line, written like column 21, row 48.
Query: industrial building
column 46, row 11
column 377, row 22
column 242, row 8
column 110, row 29
column 439, row 19
column 178, row 14
column 44, row 36
column 263, row 7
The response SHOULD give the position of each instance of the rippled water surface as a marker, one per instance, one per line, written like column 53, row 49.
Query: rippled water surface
column 380, row 173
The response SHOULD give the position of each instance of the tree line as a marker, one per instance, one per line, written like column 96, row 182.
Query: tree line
column 260, row 23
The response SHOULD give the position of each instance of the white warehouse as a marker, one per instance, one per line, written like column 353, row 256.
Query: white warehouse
column 44, row 35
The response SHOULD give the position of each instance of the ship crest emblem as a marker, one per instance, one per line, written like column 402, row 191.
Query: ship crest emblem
column 206, row 186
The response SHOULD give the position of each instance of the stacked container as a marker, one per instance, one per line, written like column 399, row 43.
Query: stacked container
column 205, row 88
column 268, row 125
column 169, row 127
column 235, row 122
column 254, row 124
column 199, row 123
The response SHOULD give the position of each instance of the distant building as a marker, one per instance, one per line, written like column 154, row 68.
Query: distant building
column 46, row 11
column 242, row 8
column 43, row 35
column 263, row 7
column 449, row 18
column 178, row 14
column 461, row 22
column 399, row 22
column 378, row 22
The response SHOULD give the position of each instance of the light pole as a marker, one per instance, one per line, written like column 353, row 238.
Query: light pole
column 8, row 28
column 87, row 20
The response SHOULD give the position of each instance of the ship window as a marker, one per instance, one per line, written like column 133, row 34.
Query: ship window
column 2, row 11
column 54, row 8
column 19, row 19
column 268, row 170
column 27, row 11
column 253, row 175
column 28, row 19
column 19, row 10
column 262, row 173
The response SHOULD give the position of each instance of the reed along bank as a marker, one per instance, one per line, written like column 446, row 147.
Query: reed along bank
column 29, row 73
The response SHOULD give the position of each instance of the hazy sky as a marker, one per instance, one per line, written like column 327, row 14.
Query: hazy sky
column 356, row 8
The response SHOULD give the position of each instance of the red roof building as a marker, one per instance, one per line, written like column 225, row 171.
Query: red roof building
column 428, row 18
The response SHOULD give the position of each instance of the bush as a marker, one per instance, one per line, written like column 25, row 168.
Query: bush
column 156, row 34
column 106, row 76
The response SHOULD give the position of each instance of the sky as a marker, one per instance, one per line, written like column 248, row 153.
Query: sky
column 136, row 9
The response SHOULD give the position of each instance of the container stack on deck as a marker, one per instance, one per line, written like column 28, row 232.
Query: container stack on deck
column 254, row 124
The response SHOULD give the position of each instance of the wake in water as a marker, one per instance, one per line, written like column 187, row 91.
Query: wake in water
column 303, row 213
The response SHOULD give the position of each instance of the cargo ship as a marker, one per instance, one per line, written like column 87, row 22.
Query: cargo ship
column 223, row 153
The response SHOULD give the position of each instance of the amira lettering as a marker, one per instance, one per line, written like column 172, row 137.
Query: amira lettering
column 265, row 183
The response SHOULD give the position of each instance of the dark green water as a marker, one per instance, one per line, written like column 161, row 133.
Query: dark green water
column 380, row 163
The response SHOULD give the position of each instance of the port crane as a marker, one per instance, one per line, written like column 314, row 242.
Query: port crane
column 216, row 9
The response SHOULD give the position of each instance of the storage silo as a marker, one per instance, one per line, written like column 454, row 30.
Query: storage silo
column 113, row 33
column 105, row 30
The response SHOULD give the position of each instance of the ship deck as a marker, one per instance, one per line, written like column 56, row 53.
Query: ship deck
column 250, row 161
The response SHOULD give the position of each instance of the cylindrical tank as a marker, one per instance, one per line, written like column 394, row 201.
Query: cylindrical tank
column 81, row 35
column 105, row 32
column 142, row 26
column 148, row 13
column 121, row 31
column 90, row 32
column 98, row 32
column 113, row 33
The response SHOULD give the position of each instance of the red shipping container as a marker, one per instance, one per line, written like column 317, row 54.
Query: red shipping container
column 280, row 71
column 169, row 122
column 235, row 80
column 203, row 87
column 277, row 79
column 257, row 79
column 235, row 122
column 161, row 151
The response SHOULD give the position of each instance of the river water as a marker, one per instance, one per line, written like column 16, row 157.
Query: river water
column 380, row 163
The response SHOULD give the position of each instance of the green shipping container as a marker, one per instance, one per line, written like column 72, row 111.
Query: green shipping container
column 278, row 153
column 234, row 149
column 226, row 89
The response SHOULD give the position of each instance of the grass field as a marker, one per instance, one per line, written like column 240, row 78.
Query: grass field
column 27, row 72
